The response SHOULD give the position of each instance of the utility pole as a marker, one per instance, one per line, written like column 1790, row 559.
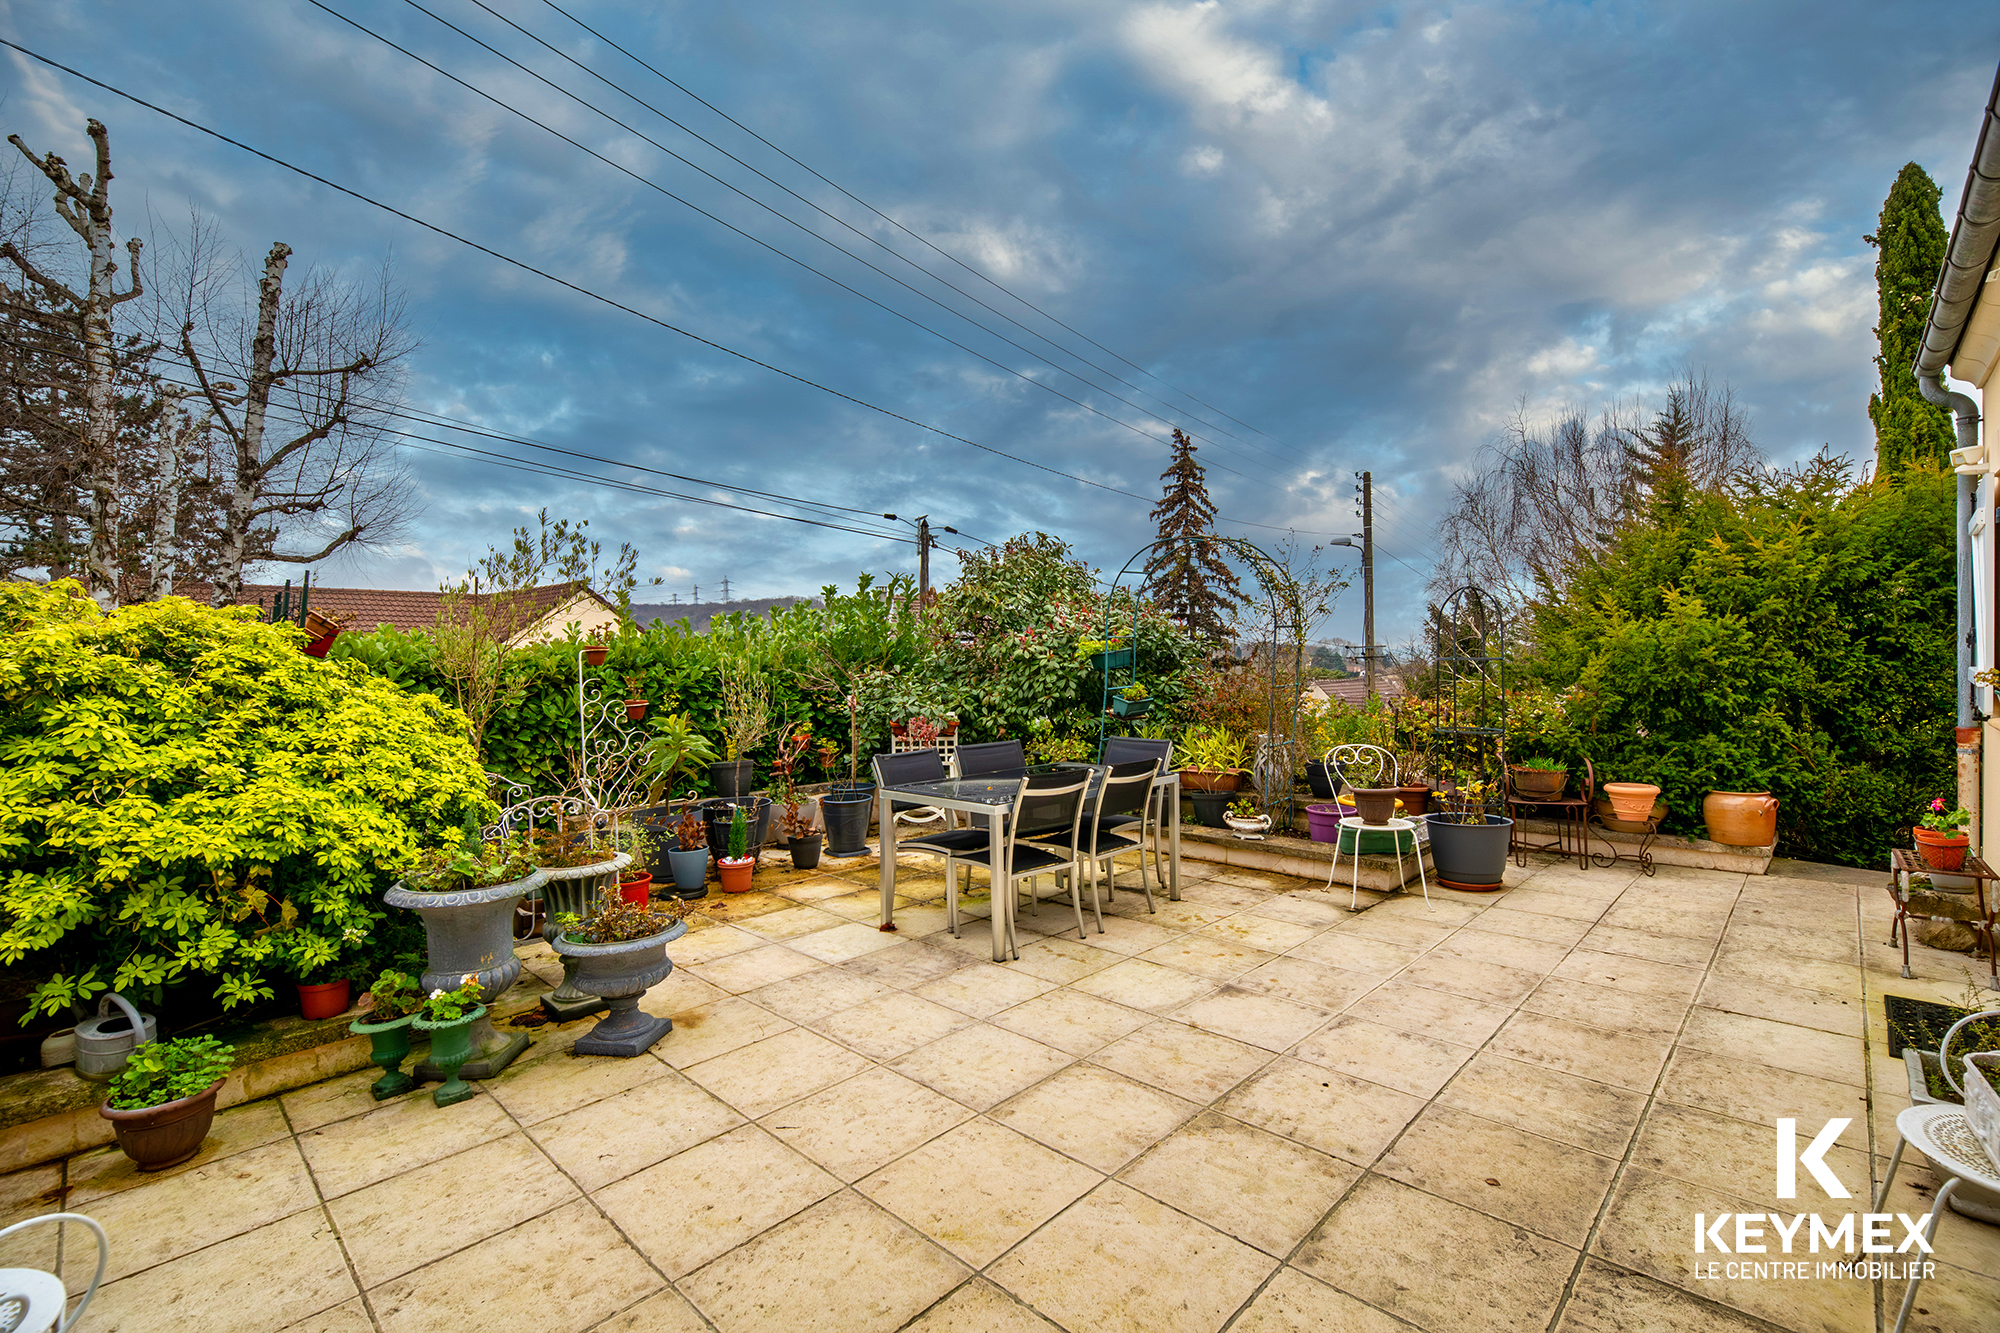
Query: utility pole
column 697, row 592
column 725, row 587
column 923, row 564
column 1368, row 648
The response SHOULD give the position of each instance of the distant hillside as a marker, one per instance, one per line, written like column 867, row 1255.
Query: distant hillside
column 698, row 614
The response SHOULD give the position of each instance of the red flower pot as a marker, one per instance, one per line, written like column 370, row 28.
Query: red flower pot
column 595, row 654
column 736, row 873
column 1942, row 851
column 637, row 890
column 326, row 1000
column 634, row 709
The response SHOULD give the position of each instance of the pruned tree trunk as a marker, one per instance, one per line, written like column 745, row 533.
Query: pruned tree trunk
column 84, row 203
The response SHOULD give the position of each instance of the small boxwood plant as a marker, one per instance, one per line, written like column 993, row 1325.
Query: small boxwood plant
column 162, row 1072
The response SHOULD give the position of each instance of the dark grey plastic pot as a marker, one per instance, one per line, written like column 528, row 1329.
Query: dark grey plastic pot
column 621, row 973
column 1211, row 806
column 845, row 811
column 1470, row 854
column 690, row 870
column 731, row 777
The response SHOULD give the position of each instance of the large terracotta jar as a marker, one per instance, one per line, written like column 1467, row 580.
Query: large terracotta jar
column 1741, row 818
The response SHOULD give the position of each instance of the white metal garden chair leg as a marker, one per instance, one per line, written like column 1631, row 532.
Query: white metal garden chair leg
column 1946, row 1139
column 35, row 1299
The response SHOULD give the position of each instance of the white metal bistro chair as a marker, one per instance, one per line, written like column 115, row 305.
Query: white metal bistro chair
column 32, row 1301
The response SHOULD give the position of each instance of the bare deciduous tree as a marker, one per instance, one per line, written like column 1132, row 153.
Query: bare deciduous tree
column 84, row 203
column 1549, row 494
column 298, row 392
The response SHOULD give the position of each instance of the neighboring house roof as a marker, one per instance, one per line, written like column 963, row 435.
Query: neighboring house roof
column 363, row 609
column 1355, row 692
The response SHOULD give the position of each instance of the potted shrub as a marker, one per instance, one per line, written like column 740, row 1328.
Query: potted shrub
column 1132, row 701
column 689, row 856
column 386, row 1011
column 447, row 1016
column 466, row 895
column 1539, row 779
column 1414, row 793
column 1212, row 760
column 1741, row 818
column 325, row 990
column 674, row 750
column 845, row 808
column 746, row 716
column 1941, row 835
column 162, row 1103
column 1242, row 816
column 737, row 865
column 621, row 953
column 1468, row 846
column 635, row 706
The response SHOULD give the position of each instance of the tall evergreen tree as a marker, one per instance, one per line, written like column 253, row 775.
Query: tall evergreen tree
column 1911, row 238
column 1186, row 575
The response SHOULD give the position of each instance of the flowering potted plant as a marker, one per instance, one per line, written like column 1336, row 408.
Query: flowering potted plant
column 163, row 1102
column 1468, row 845
column 621, row 953
column 737, row 865
column 1941, row 835
column 448, row 1016
column 386, row 1011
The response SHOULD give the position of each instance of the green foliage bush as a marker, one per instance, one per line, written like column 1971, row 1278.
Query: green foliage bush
column 1792, row 634
column 185, row 797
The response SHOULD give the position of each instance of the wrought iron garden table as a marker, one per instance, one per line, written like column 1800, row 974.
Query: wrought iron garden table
column 1974, row 906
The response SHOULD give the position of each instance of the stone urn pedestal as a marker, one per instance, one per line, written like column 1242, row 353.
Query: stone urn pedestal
column 471, row 933
column 576, row 889
column 621, row 973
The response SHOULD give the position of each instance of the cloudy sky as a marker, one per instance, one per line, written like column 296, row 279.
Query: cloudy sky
column 1321, row 237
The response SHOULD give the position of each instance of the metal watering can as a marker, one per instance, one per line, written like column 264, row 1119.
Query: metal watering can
column 104, row 1043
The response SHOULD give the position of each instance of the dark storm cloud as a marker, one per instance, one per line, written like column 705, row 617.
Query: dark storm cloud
column 1368, row 231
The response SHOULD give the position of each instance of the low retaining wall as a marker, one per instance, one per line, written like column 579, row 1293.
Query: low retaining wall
column 1300, row 857
column 1668, row 849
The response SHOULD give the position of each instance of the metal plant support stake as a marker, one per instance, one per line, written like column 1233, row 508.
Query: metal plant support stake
column 610, row 756
column 1469, row 708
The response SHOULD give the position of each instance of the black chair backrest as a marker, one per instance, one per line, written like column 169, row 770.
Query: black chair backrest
column 1126, row 749
column 1051, row 803
column 1125, row 788
column 992, row 759
column 896, row 770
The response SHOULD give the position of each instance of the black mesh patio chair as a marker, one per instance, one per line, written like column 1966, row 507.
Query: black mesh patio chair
column 899, row 770
column 1123, row 795
column 992, row 759
column 1130, row 749
column 1050, row 803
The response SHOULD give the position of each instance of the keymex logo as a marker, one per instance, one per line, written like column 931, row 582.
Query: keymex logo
column 1808, row 1233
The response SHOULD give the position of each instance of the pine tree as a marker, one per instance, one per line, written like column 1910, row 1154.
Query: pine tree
column 1186, row 575
column 1911, row 238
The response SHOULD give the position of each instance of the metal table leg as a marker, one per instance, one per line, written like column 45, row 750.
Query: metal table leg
column 887, row 876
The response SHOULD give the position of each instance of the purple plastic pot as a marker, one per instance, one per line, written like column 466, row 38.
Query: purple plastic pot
column 1323, row 820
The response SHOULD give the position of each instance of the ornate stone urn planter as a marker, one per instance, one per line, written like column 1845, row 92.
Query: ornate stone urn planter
column 577, row 890
column 621, row 973
column 470, row 932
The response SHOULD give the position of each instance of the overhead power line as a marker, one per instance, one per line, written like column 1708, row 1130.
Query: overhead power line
column 580, row 290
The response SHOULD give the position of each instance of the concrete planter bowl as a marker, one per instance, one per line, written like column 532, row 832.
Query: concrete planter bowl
column 157, row 1137
column 471, row 933
column 575, row 889
column 621, row 973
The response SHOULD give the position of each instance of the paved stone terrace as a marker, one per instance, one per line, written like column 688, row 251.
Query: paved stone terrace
column 1253, row 1110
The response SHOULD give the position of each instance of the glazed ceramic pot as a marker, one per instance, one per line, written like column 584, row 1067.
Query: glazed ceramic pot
column 1741, row 818
column 1631, row 800
column 157, row 1137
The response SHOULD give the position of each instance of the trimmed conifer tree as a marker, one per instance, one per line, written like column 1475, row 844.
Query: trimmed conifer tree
column 1186, row 576
column 1911, row 239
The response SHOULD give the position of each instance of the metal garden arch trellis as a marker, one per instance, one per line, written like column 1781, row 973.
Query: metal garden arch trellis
column 1469, row 688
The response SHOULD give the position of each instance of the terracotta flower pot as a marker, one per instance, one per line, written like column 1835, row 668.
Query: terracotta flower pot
column 1741, row 818
column 1416, row 800
column 325, row 1000
column 1210, row 779
column 736, row 872
column 1631, row 800
column 635, row 709
column 157, row 1137
column 595, row 654
column 637, row 890
column 1538, row 784
column 1942, row 851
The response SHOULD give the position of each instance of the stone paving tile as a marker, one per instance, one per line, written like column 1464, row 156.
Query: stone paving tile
column 1439, row 1264
column 979, row 1188
column 1435, row 1098
column 852, row 1265
column 1118, row 1259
